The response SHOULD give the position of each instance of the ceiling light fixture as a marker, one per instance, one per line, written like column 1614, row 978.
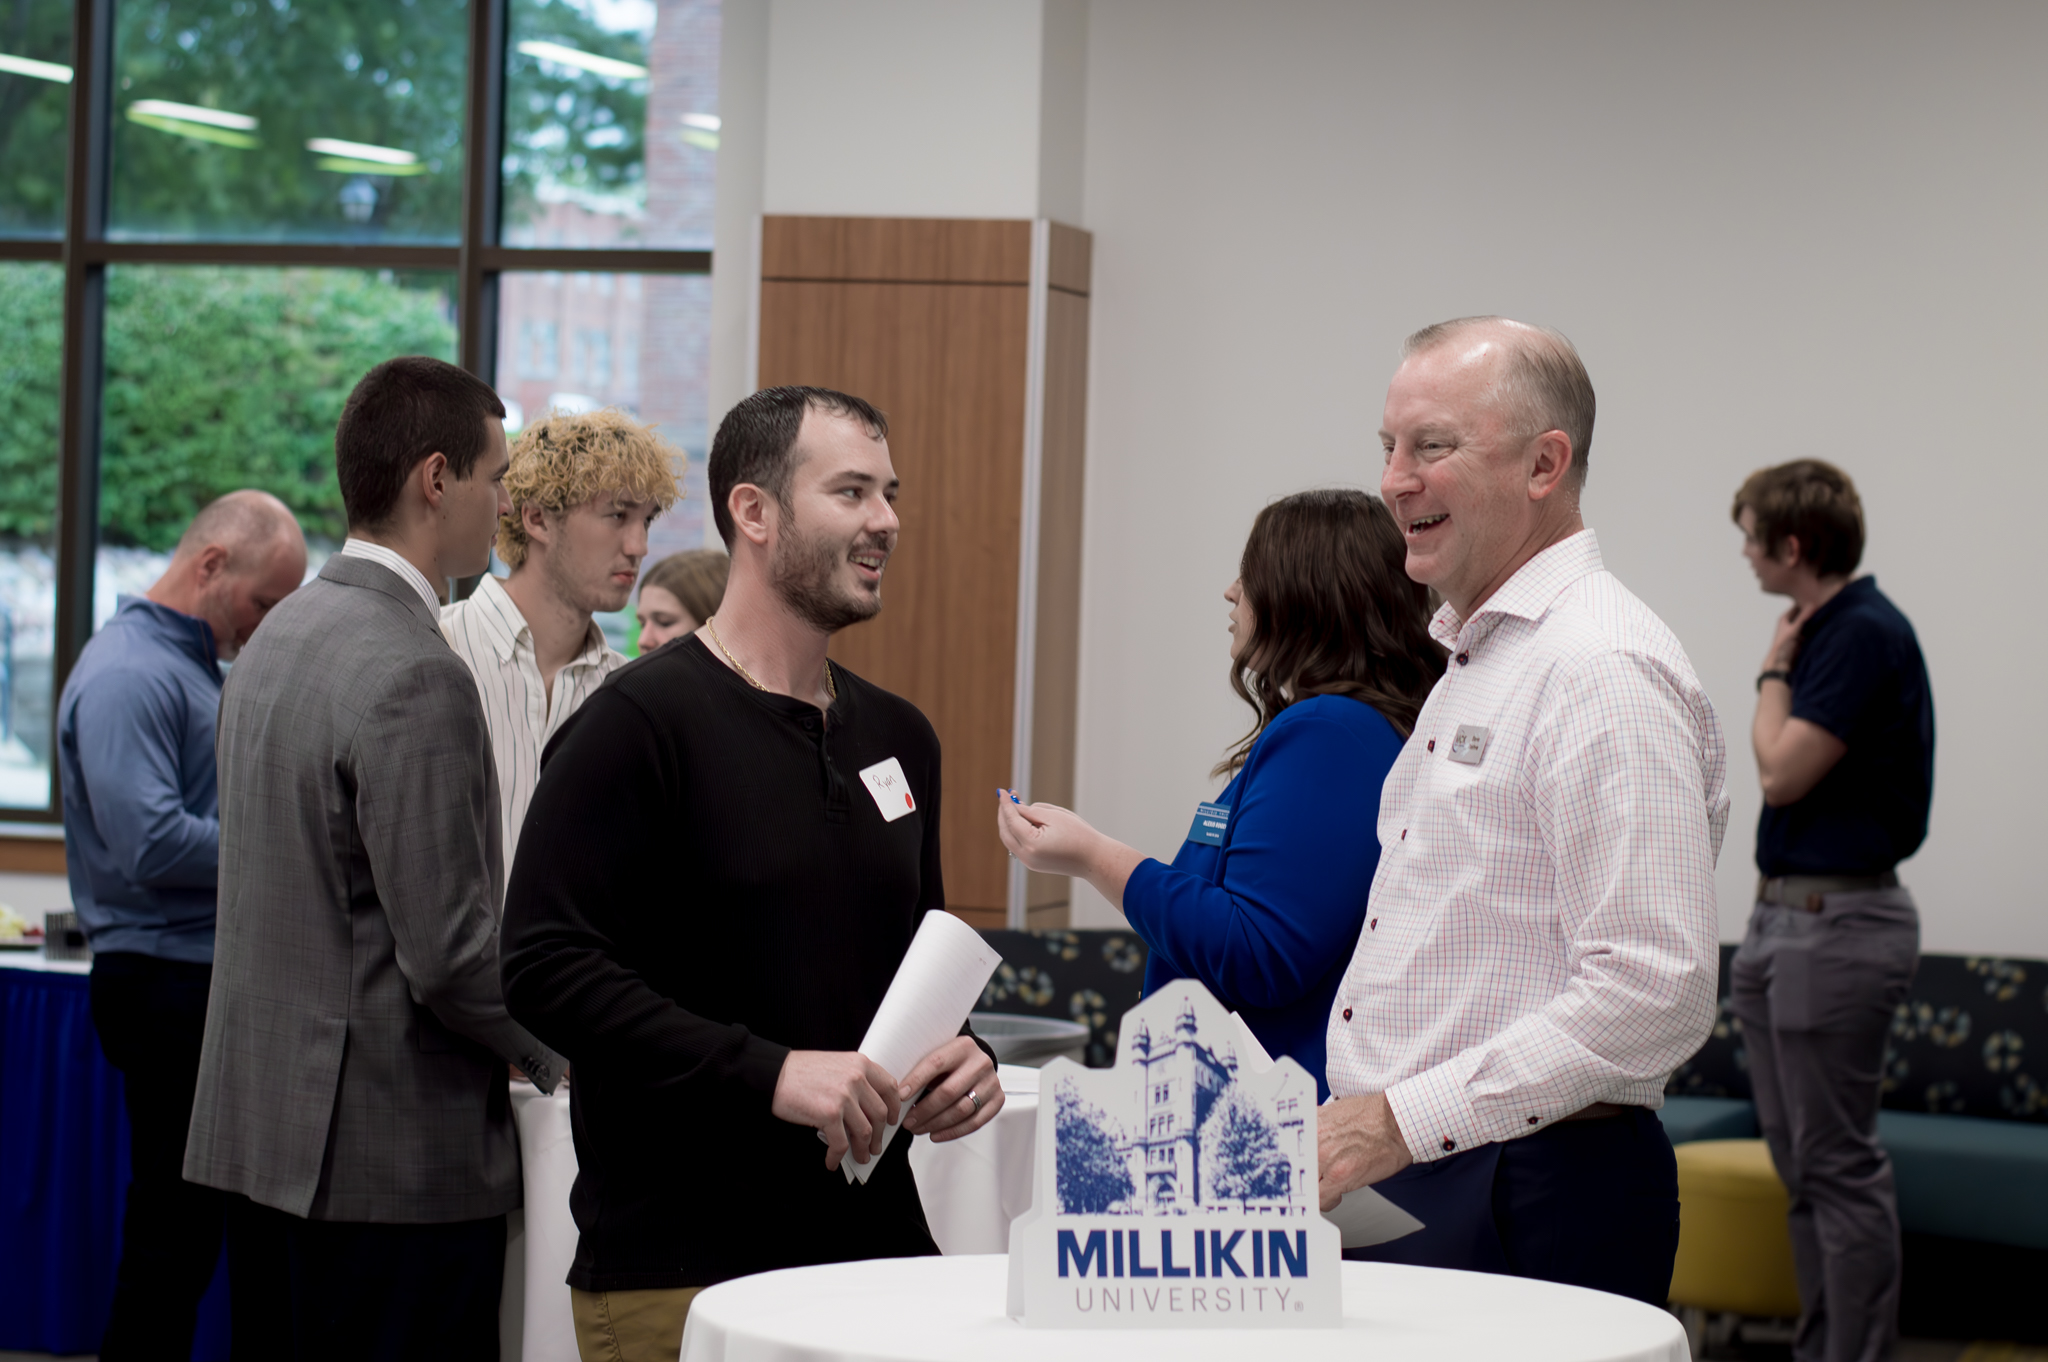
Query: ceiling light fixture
column 384, row 158
column 200, row 124
column 584, row 61
column 193, row 113
column 344, row 165
column 38, row 70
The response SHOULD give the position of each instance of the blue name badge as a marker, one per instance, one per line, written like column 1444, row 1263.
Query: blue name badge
column 1210, row 820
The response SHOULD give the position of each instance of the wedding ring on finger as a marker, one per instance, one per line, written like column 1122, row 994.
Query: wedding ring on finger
column 973, row 1097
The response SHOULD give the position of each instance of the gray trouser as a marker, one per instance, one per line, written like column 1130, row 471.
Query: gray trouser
column 1815, row 994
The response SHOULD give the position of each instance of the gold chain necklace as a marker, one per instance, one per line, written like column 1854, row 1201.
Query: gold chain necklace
column 831, row 686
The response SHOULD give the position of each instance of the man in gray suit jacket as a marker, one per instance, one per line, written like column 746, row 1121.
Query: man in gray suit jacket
column 353, row 1084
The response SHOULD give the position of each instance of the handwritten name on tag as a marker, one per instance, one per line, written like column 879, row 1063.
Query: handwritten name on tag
column 886, row 782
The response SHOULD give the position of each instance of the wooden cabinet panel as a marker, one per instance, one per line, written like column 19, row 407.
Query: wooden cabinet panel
column 904, row 250
column 32, row 855
column 935, row 321
column 945, row 363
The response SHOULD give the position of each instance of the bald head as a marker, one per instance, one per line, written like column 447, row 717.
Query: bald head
column 241, row 555
column 1539, row 383
column 249, row 524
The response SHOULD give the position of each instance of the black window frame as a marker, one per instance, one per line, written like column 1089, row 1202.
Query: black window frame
column 476, row 260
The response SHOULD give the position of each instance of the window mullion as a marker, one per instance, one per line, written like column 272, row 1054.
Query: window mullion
column 476, row 337
column 78, row 425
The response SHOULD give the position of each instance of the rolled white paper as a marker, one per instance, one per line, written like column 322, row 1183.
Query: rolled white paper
column 936, row 986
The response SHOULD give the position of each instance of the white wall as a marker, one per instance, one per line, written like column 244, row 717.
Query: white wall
column 904, row 108
column 34, row 895
column 1774, row 231
column 742, row 159
column 887, row 108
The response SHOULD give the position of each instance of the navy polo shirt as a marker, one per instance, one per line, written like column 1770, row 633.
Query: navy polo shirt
column 1860, row 676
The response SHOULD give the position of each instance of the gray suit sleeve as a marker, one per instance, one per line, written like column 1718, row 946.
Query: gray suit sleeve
column 429, row 822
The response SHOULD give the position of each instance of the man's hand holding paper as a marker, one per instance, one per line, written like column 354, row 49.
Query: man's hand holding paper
column 1358, row 1143
column 961, row 1091
column 847, row 1097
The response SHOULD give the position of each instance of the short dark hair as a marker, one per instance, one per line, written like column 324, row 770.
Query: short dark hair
column 1334, row 612
column 1813, row 501
column 402, row 411
column 755, row 439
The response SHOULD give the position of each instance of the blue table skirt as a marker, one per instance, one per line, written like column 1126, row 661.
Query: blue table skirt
column 64, row 1174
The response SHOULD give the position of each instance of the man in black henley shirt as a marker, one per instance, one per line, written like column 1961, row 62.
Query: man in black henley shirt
column 712, row 892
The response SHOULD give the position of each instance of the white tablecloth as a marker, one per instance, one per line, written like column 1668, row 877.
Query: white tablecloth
column 534, row 1323
column 971, row 1189
column 943, row 1309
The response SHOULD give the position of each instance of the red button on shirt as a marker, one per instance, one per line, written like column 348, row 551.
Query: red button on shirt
column 1347, row 1014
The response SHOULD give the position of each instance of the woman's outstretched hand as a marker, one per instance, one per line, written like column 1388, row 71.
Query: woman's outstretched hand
column 1057, row 841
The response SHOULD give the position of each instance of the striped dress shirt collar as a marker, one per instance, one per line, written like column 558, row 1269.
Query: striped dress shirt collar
column 500, row 621
column 490, row 634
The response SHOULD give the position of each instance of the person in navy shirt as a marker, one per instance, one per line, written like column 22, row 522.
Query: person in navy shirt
column 135, row 728
column 1844, row 739
column 1330, row 647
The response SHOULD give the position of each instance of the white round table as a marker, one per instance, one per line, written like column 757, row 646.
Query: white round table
column 951, row 1310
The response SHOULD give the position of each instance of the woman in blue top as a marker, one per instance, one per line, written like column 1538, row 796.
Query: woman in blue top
column 1330, row 646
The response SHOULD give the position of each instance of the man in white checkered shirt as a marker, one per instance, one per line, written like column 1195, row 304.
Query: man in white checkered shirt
column 1540, row 946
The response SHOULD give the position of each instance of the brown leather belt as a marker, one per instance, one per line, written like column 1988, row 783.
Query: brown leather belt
column 1809, row 892
column 1598, row 1111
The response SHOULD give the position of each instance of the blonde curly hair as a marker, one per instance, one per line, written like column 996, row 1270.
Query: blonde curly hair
column 564, row 459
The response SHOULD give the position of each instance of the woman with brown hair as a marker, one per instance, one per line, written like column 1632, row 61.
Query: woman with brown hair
column 678, row 594
column 1330, row 647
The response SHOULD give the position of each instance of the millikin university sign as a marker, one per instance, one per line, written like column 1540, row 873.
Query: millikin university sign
column 1177, row 1188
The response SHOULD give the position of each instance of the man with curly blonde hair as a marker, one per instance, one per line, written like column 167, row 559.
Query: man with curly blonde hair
column 584, row 489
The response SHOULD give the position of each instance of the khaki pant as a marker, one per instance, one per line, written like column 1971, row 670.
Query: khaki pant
column 631, row 1326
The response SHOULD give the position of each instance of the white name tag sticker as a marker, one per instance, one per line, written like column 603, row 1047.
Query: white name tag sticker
column 1469, row 746
column 886, row 782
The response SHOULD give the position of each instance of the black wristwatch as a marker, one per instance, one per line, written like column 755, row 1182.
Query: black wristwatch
column 1774, row 674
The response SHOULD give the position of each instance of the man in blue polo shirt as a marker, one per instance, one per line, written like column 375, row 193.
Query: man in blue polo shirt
column 142, row 844
column 1844, row 739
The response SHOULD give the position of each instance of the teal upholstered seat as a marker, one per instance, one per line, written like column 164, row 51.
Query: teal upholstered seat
column 1960, row 1176
column 1687, row 1119
column 1970, row 1178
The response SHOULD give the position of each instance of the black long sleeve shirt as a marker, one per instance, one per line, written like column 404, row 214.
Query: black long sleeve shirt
column 703, row 884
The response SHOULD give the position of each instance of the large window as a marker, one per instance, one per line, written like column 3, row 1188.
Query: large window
column 216, row 214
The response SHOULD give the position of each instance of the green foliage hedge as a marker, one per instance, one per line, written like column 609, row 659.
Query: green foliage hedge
column 216, row 378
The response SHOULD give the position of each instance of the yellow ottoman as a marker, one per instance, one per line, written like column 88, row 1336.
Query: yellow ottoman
column 1734, row 1253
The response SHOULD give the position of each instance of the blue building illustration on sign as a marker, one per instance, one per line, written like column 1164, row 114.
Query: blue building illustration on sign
column 1176, row 1188
column 1191, row 1139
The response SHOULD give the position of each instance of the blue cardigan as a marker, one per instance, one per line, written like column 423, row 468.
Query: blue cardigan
column 1268, row 920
